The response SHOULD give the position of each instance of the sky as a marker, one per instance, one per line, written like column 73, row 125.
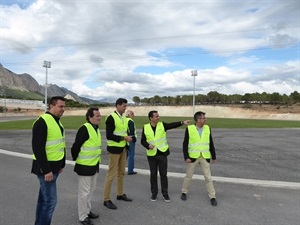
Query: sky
column 106, row 49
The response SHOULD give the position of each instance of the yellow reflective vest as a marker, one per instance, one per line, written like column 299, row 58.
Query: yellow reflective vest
column 121, row 126
column 198, row 145
column 159, row 140
column 55, row 143
column 90, row 151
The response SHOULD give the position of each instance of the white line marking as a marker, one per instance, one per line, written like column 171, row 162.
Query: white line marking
column 264, row 183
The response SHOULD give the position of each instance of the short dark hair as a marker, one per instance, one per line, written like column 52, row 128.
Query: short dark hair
column 90, row 113
column 54, row 99
column 150, row 114
column 120, row 101
column 198, row 114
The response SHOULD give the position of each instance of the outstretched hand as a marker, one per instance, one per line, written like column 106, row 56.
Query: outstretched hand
column 187, row 122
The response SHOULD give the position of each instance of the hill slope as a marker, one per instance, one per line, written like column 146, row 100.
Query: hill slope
column 24, row 85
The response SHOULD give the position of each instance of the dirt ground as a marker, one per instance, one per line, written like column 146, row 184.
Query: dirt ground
column 252, row 111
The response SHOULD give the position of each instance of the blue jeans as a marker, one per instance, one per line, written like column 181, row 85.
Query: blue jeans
column 130, row 156
column 46, row 201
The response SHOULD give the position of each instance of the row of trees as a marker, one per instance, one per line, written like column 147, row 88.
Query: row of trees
column 210, row 98
column 215, row 97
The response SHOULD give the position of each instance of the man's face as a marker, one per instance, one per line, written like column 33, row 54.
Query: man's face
column 155, row 118
column 58, row 109
column 96, row 118
column 201, row 121
column 121, row 108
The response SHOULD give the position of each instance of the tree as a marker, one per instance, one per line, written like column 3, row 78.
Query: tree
column 275, row 98
column 235, row 99
column 136, row 100
column 156, row 100
column 186, row 100
column 214, row 97
column 166, row 100
column 178, row 100
column 265, row 97
column 295, row 96
column 145, row 100
column 246, row 97
column 286, row 99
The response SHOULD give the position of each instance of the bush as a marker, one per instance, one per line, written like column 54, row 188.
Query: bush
column 2, row 109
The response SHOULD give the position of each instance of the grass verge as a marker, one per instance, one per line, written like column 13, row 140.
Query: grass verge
column 74, row 122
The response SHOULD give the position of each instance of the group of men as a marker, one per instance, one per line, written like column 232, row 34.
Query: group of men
column 49, row 153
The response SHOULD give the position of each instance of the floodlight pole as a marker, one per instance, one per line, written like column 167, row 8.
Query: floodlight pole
column 194, row 74
column 47, row 64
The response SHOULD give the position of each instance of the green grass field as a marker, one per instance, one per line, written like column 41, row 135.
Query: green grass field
column 74, row 122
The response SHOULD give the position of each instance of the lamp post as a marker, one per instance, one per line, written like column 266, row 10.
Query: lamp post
column 194, row 74
column 47, row 64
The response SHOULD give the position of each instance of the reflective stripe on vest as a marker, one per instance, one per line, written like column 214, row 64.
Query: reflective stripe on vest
column 159, row 140
column 121, row 126
column 55, row 143
column 198, row 145
column 90, row 151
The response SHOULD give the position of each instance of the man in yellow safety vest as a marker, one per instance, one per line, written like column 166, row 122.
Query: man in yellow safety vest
column 198, row 148
column 86, row 151
column 117, row 138
column 49, row 156
column 154, row 139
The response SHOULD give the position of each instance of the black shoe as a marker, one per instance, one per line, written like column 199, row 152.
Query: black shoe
column 132, row 173
column 183, row 197
column 213, row 202
column 93, row 215
column 166, row 198
column 124, row 198
column 154, row 197
column 109, row 204
column 87, row 221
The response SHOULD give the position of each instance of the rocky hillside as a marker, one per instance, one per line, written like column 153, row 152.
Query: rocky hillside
column 26, row 82
column 23, row 82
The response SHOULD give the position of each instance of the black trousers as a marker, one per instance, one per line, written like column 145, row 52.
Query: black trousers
column 158, row 163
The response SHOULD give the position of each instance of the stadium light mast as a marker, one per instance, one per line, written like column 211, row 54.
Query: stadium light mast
column 47, row 64
column 194, row 74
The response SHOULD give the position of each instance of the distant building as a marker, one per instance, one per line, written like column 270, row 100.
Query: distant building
column 21, row 103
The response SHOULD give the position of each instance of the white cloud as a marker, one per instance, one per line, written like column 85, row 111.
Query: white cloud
column 96, row 47
column 242, row 60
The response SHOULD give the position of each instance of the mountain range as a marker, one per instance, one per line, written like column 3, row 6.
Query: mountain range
column 11, row 82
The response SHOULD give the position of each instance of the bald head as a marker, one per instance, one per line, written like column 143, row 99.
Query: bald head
column 130, row 114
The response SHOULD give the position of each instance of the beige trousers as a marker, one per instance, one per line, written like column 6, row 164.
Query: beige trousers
column 116, row 167
column 86, row 188
column 205, row 167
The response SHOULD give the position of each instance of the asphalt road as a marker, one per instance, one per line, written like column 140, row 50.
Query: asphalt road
column 263, row 154
column 258, row 155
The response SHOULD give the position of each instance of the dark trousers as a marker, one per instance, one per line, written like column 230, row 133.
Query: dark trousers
column 158, row 163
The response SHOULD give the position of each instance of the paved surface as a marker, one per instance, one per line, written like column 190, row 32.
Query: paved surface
column 256, row 155
column 262, row 154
